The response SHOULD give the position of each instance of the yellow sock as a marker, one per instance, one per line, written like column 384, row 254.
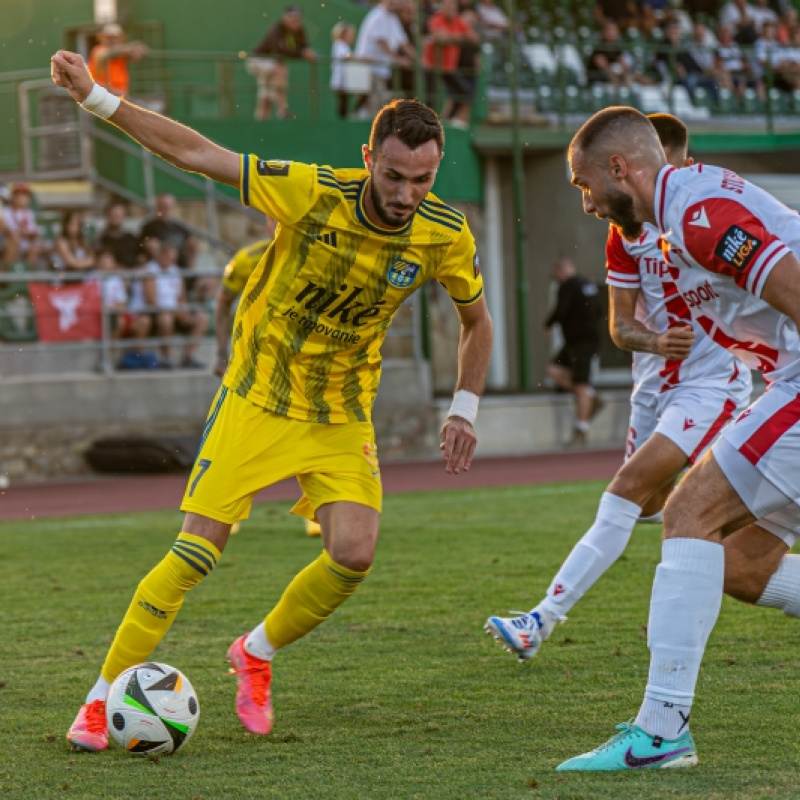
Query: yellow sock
column 313, row 595
column 157, row 600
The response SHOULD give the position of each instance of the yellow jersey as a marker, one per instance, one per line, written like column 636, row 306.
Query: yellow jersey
column 312, row 318
column 239, row 269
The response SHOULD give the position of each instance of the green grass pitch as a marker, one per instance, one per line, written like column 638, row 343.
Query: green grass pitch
column 400, row 694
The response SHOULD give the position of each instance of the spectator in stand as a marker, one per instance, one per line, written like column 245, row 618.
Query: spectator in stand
column 579, row 315
column 492, row 21
column 164, row 228
column 624, row 13
column 447, row 30
column 382, row 41
column 20, row 221
column 71, row 252
column 787, row 68
column 654, row 14
column 286, row 39
column 344, row 35
column 125, row 245
column 468, row 68
column 108, row 59
column 744, row 20
column 788, row 21
column 163, row 289
column 406, row 75
column 122, row 323
column 688, row 72
column 731, row 68
column 608, row 62
column 702, row 46
column 767, row 54
column 9, row 242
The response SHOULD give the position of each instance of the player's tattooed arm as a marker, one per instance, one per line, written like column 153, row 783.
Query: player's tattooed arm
column 630, row 334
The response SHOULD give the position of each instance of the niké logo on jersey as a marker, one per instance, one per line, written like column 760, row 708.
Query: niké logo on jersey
column 272, row 169
column 737, row 248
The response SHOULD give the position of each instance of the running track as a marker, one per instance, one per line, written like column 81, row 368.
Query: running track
column 103, row 495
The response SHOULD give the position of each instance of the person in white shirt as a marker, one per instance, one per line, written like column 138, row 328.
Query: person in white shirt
column 20, row 224
column 122, row 322
column 493, row 20
column 382, row 41
column 165, row 291
column 343, row 35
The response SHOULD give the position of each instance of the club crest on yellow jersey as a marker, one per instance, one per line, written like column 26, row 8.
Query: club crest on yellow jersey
column 402, row 273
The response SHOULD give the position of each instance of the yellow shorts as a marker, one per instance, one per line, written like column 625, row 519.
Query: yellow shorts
column 246, row 448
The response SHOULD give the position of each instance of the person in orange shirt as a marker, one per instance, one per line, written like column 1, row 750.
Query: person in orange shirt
column 108, row 59
column 447, row 30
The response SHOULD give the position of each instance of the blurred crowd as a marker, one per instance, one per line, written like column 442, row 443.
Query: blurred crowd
column 139, row 267
column 730, row 48
column 377, row 59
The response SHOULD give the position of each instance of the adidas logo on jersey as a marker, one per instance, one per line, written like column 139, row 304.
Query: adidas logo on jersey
column 700, row 219
column 328, row 238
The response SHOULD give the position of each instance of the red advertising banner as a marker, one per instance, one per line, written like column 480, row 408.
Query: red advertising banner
column 67, row 313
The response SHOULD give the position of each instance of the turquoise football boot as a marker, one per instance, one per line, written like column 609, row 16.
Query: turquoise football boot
column 632, row 748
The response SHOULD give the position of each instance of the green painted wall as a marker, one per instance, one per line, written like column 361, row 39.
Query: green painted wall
column 31, row 30
column 335, row 143
column 239, row 25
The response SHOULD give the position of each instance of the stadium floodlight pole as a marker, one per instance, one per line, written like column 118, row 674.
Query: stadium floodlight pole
column 519, row 204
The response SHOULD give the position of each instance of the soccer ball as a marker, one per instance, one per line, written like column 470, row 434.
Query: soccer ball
column 152, row 709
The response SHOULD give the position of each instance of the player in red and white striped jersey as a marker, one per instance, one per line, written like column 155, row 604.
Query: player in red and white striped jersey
column 686, row 389
column 746, row 244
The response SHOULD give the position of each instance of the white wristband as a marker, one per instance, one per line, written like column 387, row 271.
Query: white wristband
column 465, row 405
column 101, row 102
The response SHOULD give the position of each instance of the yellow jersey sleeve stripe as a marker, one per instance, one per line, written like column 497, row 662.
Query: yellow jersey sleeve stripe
column 438, row 220
column 469, row 302
column 442, row 210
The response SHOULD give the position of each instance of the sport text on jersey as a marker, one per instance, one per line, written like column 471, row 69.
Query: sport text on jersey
column 340, row 307
column 737, row 247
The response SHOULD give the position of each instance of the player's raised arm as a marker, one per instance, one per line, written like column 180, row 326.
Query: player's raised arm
column 628, row 333
column 181, row 146
column 457, row 436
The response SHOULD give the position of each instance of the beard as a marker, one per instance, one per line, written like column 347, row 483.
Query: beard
column 622, row 214
column 386, row 216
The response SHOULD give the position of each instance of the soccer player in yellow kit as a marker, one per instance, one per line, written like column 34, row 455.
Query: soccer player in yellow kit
column 351, row 245
column 237, row 272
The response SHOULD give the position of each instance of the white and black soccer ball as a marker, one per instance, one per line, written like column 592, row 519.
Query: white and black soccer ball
column 152, row 709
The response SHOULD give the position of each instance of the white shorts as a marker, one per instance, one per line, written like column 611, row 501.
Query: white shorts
column 690, row 417
column 758, row 454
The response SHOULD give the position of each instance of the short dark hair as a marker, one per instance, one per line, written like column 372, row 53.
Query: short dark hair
column 607, row 122
column 672, row 132
column 412, row 122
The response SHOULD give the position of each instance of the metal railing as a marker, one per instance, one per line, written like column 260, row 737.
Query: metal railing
column 19, row 337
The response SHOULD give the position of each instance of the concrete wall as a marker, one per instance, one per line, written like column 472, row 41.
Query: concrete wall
column 47, row 422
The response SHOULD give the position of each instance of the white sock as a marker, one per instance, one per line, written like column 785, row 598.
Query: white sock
column 599, row 548
column 582, row 425
column 258, row 645
column 684, row 606
column 653, row 519
column 99, row 691
column 783, row 589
